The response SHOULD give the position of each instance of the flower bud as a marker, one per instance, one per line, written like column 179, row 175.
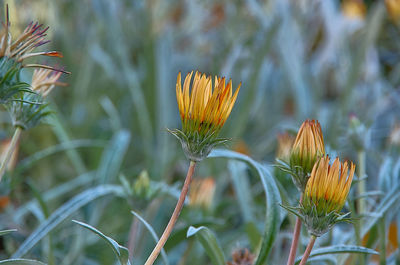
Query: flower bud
column 285, row 143
column 354, row 9
column 307, row 149
column 393, row 8
column 202, row 192
column 325, row 194
column 203, row 112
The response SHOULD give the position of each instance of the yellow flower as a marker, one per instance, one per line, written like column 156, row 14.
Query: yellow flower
column 326, row 193
column 44, row 80
column 393, row 8
column 354, row 9
column 308, row 147
column 329, row 185
column 204, row 107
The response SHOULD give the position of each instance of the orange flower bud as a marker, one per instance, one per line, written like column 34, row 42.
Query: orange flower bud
column 307, row 149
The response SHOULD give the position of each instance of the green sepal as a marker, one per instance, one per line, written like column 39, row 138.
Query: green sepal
column 197, row 147
column 10, row 85
column 317, row 223
column 299, row 177
column 28, row 110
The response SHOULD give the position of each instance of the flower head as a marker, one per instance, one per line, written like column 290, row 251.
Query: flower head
column 326, row 193
column 354, row 9
column 285, row 143
column 31, row 108
column 44, row 80
column 393, row 8
column 23, row 46
column 204, row 107
column 13, row 52
column 308, row 147
column 202, row 192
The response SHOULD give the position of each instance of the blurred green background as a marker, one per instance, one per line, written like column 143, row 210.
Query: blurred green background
column 334, row 61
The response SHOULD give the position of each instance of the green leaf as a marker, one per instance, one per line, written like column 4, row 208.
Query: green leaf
column 153, row 234
column 113, row 156
column 209, row 243
column 386, row 204
column 253, row 234
column 273, row 198
column 337, row 249
column 62, row 135
column 180, row 232
column 121, row 252
column 110, row 165
column 5, row 232
column 63, row 213
column 21, row 262
column 26, row 163
column 242, row 189
column 57, row 192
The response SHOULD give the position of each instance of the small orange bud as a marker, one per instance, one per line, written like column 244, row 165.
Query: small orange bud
column 307, row 149
column 285, row 143
column 202, row 192
column 354, row 9
column 393, row 8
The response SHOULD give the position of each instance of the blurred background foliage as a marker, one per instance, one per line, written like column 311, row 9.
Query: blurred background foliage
column 334, row 61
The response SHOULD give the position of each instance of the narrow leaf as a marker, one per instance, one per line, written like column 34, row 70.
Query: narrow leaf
column 121, row 252
column 209, row 243
column 337, row 249
column 5, row 232
column 21, row 262
column 273, row 198
column 63, row 213
column 153, row 234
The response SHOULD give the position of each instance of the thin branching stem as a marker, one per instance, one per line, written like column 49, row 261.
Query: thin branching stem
column 10, row 150
column 308, row 250
column 157, row 249
column 295, row 240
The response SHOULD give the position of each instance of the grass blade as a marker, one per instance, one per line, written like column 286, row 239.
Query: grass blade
column 63, row 213
column 21, row 262
column 5, row 232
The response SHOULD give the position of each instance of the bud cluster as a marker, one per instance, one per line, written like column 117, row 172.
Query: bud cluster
column 324, row 186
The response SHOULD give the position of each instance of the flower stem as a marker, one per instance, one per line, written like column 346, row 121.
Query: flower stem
column 382, row 239
column 361, row 206
column 361, row 188
column 308, row 250
column 295, row 240
column 10, row 151
column 157, row 249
